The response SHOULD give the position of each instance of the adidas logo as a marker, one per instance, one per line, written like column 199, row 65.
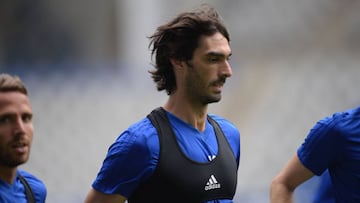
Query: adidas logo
column 212, row 183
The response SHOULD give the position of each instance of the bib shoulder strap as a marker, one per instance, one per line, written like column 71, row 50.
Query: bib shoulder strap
column 28, row 191
column 160, row 121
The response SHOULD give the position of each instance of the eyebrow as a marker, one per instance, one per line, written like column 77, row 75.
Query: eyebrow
column 218, row 54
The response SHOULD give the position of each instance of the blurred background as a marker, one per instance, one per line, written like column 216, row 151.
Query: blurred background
column 86, row 61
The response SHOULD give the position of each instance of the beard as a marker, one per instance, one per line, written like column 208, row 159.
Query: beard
column 12, row 160
column 11, row 163
column 201, row 93
column 200, row 90
column 210, row 98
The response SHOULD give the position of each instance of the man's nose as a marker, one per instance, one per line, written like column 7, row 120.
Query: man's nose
column 19, row 126
column 226, row 69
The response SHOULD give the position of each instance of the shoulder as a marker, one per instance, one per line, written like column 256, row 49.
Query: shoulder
column 144, row 126
column 137, row 136
column 348, row 119
column 226, row 125
column 139, row 131
column 339, row 122
column 33, row 180
column 36, row 185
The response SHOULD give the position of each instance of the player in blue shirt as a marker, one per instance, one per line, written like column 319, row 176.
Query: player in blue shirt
column 16, row 134
column 325, row 192
column 179, row 152
column 333, row 144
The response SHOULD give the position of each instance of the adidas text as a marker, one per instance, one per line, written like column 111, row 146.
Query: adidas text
column 213, row 186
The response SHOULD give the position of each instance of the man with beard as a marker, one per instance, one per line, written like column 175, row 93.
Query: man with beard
column 16, row 134
column 179, row 152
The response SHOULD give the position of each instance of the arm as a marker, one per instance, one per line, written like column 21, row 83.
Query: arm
column 291, row 176
column 98, row 197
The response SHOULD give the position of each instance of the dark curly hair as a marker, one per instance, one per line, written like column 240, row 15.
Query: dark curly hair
column 178, row 39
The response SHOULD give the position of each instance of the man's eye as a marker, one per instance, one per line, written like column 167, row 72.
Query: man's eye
column 5, row 119
column 27, row 118
column 213, row 59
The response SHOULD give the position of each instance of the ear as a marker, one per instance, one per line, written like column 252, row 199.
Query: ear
column 176, row 63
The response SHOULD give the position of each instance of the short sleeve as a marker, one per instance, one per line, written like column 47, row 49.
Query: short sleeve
column 322, row 146
column 130, row 160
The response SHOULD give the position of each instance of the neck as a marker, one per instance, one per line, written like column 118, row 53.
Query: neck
column 8, row 174
column 194, row 114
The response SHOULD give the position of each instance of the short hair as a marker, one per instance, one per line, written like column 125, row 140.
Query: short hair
column 10, row 83
column 178, row 39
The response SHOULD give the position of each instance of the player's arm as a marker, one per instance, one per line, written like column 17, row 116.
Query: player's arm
column 292, row 175
column 95, row 196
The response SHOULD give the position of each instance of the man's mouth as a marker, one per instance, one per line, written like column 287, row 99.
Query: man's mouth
column 20, row 147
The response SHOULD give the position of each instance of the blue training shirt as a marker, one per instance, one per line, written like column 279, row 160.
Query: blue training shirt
column 133, row 157
column 325, row 192
column 334, row 144
column 10, row 193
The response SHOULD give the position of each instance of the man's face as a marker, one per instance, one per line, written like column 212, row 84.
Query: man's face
column 209, row 69
column 16, row 129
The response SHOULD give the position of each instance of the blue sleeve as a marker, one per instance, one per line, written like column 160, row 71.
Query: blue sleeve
column 37, row 186
column 325, row 192
column 322, row 146
column 130, row 160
